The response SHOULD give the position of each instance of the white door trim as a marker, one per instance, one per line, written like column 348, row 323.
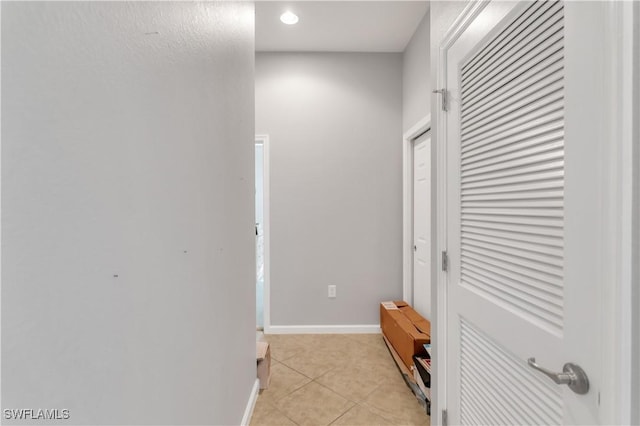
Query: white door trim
column 619, row 227
column 407, row 205
column 439, row 292
column 266, row 227
column 635, row 261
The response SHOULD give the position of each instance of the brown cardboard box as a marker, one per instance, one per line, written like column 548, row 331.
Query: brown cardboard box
column 263, row 356
column 405, row 329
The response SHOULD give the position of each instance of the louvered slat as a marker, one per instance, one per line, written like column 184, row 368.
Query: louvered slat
column 515, row 168
column 522, row 22
column 515, row 69
column 549, row 257
column 526, row 248
column 532, row 134
column 543, row 115
column 516, row 178
column 515, row 49
column 535, row 186
column 546, row 66
column 532, row 219
column 535, row 297
column 546, row 243
column 550, row 42
column 516, row 162
column 513, row 276
column 510, row 118
column 518, row 103
column 544, row 275
column 516, row 230
column 529, row 196
column 497, row 388
column 512, row 171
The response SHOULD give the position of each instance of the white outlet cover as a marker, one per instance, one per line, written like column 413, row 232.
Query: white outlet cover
column 332, row 291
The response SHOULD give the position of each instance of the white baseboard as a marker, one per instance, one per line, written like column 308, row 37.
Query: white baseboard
column 251, row 404
column 323, row 329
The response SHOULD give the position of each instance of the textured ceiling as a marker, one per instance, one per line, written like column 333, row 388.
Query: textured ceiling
column 338, row 26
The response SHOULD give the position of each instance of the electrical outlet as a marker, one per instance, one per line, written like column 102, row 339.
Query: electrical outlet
column 332, row 291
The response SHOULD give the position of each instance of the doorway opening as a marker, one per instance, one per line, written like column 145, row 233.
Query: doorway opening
column 422, row 224
column 262, row 231
column 417, row 217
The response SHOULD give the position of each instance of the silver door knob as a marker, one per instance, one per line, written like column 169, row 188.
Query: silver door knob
column 571, row 375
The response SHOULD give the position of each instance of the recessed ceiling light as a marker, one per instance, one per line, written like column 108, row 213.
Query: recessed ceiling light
column 289, row 18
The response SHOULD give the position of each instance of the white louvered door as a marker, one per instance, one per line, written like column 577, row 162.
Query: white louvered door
column 508, row 204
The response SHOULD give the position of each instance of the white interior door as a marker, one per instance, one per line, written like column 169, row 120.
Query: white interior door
column 421, row 225
column 521, row 280
column 259, row 213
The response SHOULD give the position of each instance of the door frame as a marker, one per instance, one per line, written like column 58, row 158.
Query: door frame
column 266, row 229
column 635, row 259
column 422, row 126
column 620, row 235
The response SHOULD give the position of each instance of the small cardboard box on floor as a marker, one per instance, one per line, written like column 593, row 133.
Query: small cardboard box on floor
column 263, row 358
column 405, row 329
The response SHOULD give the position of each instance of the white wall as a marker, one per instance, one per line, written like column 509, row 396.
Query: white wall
column 127, row 210
column 635, row 394
column 334, row 122
column 416, row 76
column 416, row 95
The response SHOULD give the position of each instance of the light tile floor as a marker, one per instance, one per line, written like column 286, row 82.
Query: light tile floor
column 337, row 379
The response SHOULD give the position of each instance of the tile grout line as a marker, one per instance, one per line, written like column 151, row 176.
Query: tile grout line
column 334, row 365
column 354, row 403
column 336, row 392
column 287, row 417
column 300, row 372
column 342, row 415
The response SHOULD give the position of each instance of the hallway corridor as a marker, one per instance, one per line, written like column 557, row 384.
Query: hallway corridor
column 335, row 379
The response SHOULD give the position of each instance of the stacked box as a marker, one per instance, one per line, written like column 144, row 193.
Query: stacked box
column 405, row 329
column 263, row 356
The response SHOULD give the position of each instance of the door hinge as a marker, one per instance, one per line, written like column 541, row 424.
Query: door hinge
column 445, row 97
column 445, row 261
column 445, row 419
